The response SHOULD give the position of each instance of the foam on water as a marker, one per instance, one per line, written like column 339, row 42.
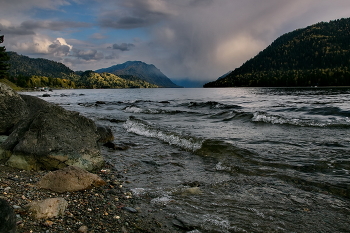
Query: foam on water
column 275, row 119
column 142, row 128
column 164, row 200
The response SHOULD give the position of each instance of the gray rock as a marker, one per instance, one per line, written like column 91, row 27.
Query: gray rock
column 70, row 179
column 7, row 218
column 12, row 108
column 113, row 146
column 52, row 138
column 3, row 155
column 48, row 208
column 105, row 134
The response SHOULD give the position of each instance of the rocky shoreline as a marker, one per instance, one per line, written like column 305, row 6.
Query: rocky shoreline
column 37, row 137
column 110, row 208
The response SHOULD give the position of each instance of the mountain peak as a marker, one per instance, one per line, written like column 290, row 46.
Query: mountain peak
column 141, row 70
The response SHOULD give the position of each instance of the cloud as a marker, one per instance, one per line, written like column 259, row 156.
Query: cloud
column 30, row 27
column 40, row 44
column 135, row 14
column 87, row 55
column 7, row 28
column 204, row 39
column 123, row 47
column 112, row 56
column 27, row 5
column 60, row 48
column 17, row 11
column 52, row 25
column 98, row 36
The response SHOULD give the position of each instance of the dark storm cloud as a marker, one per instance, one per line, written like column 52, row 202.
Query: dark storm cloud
column 206, row 38
column 134, row 14
column 123, row 47
column 127, row 22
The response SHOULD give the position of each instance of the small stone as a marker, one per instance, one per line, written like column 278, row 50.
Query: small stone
column 130, row 209
column 48, row 223
column 83, row 229
column 19, row 218
column 47, row 208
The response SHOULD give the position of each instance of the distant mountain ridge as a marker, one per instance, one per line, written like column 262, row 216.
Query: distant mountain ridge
column 318, row 55
column 136, row 74
column 141, row 70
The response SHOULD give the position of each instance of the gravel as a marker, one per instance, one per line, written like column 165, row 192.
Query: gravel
column 111, row 208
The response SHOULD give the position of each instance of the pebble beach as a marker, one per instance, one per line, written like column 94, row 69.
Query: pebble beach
column 111, row 208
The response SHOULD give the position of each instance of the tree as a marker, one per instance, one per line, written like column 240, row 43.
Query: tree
column 3, row 59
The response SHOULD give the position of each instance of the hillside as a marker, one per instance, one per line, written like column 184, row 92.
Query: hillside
column 318, row 55
column 25, row 66
column 10, row 84
column 141, row 70
column 91, row 79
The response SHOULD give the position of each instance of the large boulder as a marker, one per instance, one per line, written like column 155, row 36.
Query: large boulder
column 70, row 179
column 51, row 138
column 12, row 109
column 7, row 217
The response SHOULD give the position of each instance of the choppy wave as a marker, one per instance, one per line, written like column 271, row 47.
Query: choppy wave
column 143, row 128
column 326, row 111
column 275, row 119
column 136, row 109
column 212, row 105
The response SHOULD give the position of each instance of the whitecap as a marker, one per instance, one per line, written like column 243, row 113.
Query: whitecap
column 143, row 129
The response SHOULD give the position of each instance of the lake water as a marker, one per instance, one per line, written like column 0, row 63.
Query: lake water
column 231, row 159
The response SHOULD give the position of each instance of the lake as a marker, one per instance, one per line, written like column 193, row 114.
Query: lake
column 230, row 159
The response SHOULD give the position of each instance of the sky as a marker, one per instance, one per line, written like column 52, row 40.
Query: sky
column 196, row 40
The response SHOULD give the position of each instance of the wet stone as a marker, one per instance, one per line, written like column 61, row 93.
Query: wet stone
column 130, row 209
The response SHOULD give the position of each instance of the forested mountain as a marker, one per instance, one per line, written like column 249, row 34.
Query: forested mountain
column 91, row 79
column 318, row 55
column 25, row 66
column 29, row 72
column 141, row 70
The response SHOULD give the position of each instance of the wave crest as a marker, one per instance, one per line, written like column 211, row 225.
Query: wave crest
column 142, row 128
column 275, row 119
